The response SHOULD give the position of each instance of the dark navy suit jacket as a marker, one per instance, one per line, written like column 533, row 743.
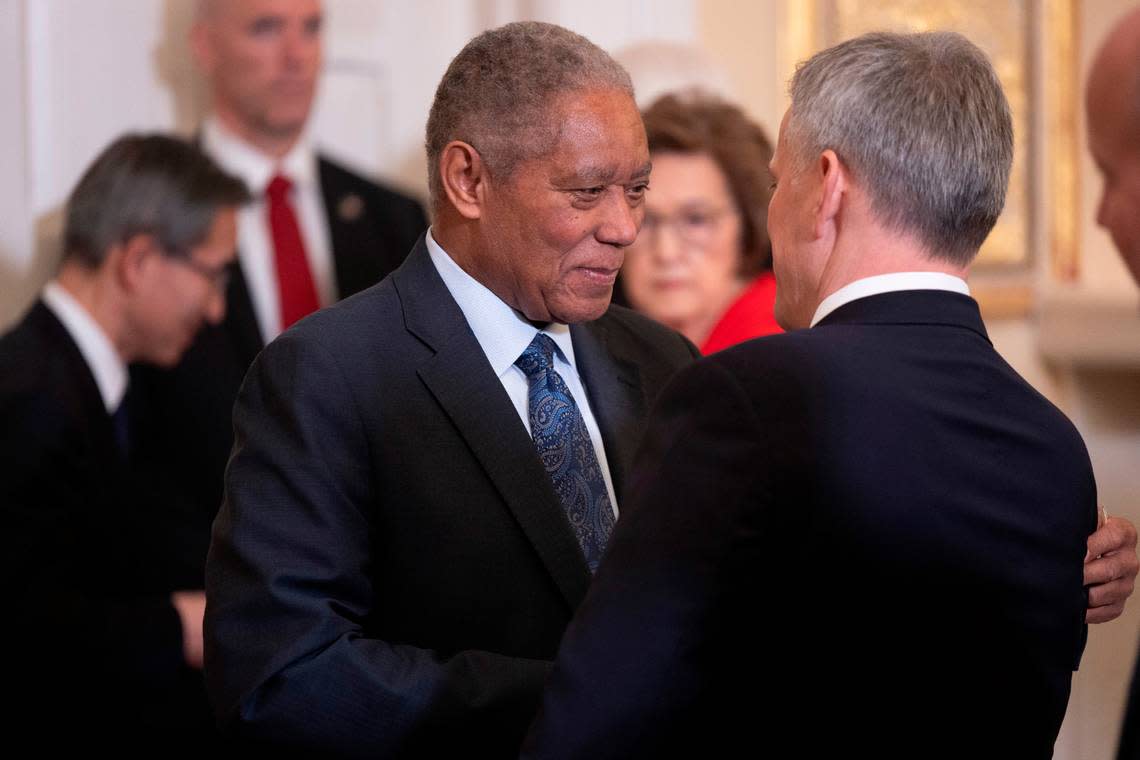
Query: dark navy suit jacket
column 94, row 642
column 863, row 538
column 391, row 571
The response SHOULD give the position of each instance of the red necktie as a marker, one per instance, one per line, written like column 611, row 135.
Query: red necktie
column 298, row 294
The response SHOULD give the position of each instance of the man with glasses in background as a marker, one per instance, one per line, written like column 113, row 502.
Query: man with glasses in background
column 313, row 234
column 106, row 640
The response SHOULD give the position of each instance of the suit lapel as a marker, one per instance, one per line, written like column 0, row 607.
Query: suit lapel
column 616, row 397
column 461, row 380
column 241, row 322
column 347, row 214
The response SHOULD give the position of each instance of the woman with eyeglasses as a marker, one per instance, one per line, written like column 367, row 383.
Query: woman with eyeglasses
column 702, row 261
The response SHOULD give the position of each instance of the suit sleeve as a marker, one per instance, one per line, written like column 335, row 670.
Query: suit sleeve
column 289, row 582
column 628, row 673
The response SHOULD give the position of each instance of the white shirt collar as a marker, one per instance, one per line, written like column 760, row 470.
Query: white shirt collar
column 239, row 157
column 502, row 332
column 888, row 283
column 107, row 367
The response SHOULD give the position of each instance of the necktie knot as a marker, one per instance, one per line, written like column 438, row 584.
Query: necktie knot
column 538, row 356
column 278, row 188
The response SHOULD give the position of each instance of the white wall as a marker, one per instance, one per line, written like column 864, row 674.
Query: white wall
column 77, row 73
column 15, row 209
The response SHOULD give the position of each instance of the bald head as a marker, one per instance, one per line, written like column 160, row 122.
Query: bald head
column 262, row 59
column 1112, row 102
column 1115, row 74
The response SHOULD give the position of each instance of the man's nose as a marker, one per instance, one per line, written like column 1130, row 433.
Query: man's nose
column 622, row 220
column 299, row 47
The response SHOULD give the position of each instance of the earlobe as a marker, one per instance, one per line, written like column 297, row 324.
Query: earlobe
column 833, row 185
column 464, row 178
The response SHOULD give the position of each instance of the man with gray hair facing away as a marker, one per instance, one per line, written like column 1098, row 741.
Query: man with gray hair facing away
column 950, row 501
column 107, row 643
column 425, row 475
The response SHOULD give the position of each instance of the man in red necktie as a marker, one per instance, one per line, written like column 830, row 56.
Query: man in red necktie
column 314, row 234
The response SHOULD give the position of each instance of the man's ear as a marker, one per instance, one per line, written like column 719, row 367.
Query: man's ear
column 464, row 177
column 201, row 46
column 133, row 260
column 832, row 176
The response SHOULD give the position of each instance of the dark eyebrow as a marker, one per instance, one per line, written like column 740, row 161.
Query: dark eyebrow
column 644, row 171
column 265, row 22
column 589, row 176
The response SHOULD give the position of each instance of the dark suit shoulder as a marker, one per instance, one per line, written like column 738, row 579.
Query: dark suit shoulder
column 384, row 199
column 361, row 340
column 41, row 374
column 372, row 227
column 628, row 327
column 796, row 346
column 349, row 323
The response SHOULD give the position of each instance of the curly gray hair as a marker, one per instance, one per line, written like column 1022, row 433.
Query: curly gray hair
column 495, row 94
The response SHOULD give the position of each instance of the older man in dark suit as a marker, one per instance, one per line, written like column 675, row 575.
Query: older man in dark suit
column 106, row 643
column 867, row 537
column 315, row 233
column 426, row 474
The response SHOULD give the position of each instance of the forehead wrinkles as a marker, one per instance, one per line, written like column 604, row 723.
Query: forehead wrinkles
column 594, row 113
column 593, row 145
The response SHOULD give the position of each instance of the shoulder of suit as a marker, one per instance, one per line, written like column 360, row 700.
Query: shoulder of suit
column 38, row 338
column 349, row 181
column 625, row 324
column 341, row 323
column 41, row 375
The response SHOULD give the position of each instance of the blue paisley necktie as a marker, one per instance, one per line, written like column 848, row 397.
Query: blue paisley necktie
column 566, row 451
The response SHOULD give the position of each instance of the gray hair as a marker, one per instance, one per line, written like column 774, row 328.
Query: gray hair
column 922, row 122
column 147, row 184
column 496, row 93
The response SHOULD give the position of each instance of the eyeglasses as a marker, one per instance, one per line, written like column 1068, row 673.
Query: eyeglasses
column 695, row 227
column 218, row 276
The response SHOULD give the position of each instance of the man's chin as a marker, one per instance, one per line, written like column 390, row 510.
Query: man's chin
column 170, row 354
column 582, row 306
column 284, row 126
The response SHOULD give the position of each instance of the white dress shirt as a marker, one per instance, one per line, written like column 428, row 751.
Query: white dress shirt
column 888, row 283
column 255, row 239
column 107, row 367
column 504, row 334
